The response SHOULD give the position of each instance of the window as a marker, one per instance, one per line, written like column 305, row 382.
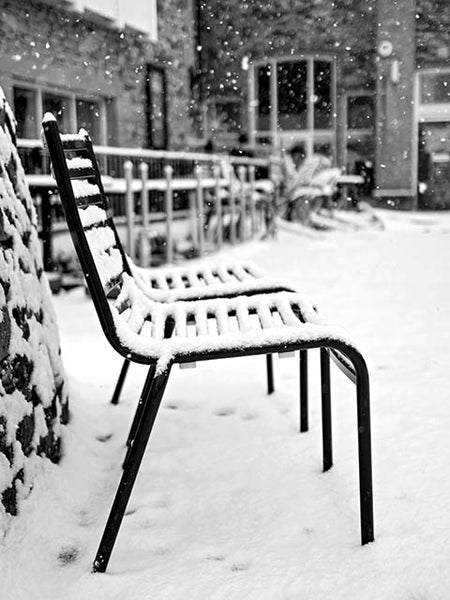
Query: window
column 291, row 91
column 88, row 116
column 97, row 116
column 156, row 108
column 229, row 114
column 263, row 95
column 321, row 95
column 360, row 140
column 60, row 107
column 360, row 112
column 25, row 111
column 435, row 88
column 293, row 99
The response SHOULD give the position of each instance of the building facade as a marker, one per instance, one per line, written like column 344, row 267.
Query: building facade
column 121, row 69
column 366, row 82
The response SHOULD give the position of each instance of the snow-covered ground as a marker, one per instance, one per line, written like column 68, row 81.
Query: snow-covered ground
column 231, row 503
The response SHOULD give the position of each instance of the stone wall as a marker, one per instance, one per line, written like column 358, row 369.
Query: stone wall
column 33, row 397
column 49, row 46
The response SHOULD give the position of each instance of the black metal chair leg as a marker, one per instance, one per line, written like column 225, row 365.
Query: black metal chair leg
column 270, row 380
column 303, row 390
column 140, row 406
column 120, row 382
column 327, row 445
column 152, row 401
column 364, row 446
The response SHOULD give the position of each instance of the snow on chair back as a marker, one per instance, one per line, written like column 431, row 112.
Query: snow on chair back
column 88, row 215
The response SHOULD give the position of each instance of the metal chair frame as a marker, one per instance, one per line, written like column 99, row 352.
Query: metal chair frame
column 111, row 299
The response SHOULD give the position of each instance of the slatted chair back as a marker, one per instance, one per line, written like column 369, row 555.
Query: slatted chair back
column 89, row 219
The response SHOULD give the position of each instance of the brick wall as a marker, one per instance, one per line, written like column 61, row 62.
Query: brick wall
column 53, row 47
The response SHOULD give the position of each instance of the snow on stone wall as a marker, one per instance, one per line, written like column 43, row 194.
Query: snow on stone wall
column 33, row 397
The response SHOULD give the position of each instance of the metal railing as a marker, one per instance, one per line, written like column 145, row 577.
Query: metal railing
column 220, row 197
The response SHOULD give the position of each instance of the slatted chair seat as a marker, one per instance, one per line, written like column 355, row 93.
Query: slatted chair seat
column 216, row 326
column 158, row 334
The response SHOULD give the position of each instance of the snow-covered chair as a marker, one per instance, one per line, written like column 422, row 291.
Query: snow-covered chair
column 145, row 330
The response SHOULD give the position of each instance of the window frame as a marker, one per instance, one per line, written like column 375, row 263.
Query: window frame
column 155, row 68
column 40, row 90
column 360, row 131
column 431, row 111
column 309, row 134
column 358, row 135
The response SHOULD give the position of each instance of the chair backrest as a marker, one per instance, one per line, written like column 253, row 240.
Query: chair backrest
column 89, row 219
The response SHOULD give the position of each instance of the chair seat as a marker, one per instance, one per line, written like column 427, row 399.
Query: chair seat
column 217, row 280
column 209, row 328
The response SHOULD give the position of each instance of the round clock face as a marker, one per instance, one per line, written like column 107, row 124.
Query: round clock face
column 385, row 48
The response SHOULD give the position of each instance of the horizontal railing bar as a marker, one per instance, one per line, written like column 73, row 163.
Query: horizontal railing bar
column 160, row 154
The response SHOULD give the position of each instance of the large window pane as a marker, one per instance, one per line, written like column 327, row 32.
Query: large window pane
column 156, row 108
column 229, row 114
column 88, row 116
column 360, row 112
column 435, row 88
column 322, row 95
column 292, row 98
column 111, row 122
column 24, row 109
column 60, row 107
column 263, row 75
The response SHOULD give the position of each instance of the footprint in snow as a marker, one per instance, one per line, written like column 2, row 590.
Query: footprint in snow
column 241, row 565
column 84, row 518
column 104, row 438
column 250, row 416
column 68, row 555
column 224, row 412
column 216, row 556
column 178, row 405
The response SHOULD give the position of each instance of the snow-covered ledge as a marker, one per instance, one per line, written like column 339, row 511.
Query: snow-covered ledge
column 33, row 397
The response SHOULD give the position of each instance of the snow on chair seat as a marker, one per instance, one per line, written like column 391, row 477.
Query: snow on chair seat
column 148, row 331
column 215, row 326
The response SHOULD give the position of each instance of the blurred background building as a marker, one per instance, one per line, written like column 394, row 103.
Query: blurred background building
column 366, row 82
column 120, row 68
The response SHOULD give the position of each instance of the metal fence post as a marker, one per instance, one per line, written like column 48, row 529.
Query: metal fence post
column 129, row 207
column 272, row 207
column 199, row 211
column 241, row 176
column 144, row 248
column 168, row 172
column 232, row 196
column 218, row 205
column 251, row 179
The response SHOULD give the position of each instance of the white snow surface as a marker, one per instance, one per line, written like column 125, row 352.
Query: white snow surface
column 230, row 502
